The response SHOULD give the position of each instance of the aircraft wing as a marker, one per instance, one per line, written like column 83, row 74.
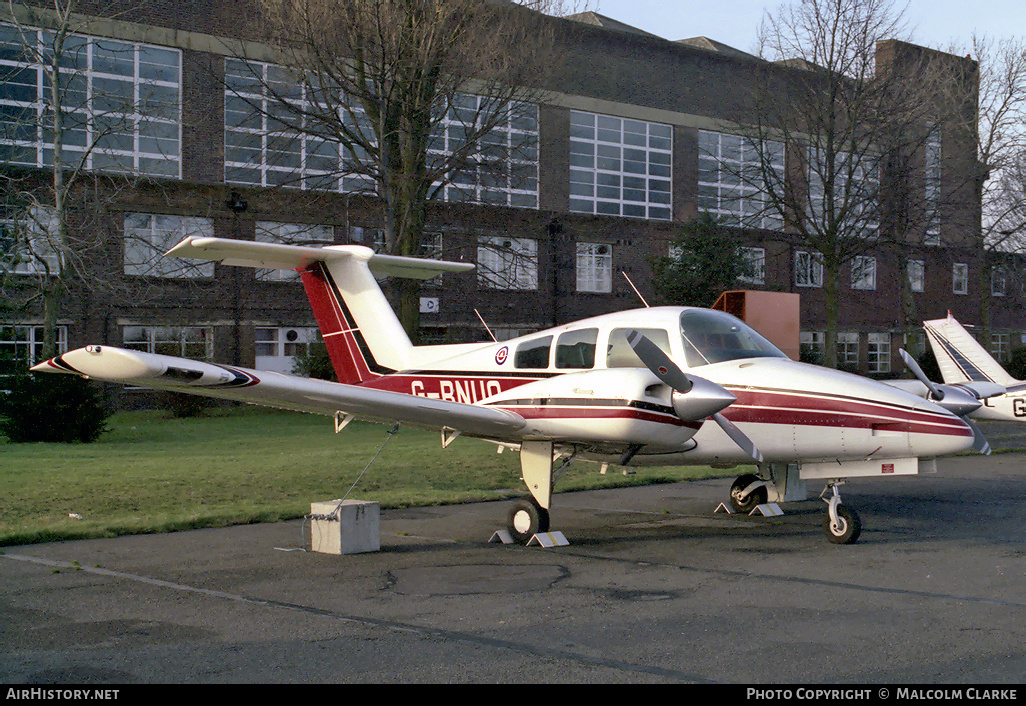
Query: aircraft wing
column 979, row 390
column 282, row 391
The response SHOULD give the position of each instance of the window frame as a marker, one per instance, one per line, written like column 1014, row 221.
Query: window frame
column 808, row 269
column 516, row 256
column 594, row 268
column 120, row 146
column 620, row 166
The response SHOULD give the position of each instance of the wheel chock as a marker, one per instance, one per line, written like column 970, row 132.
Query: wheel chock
column 723, row 507
column 501, row 536
column 548, row 539
column 767, row 510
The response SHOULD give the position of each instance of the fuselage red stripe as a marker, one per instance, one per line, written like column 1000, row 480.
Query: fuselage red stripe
column 764, row 406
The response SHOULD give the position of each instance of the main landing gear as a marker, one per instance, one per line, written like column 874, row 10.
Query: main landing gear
column 526, row 519
column 841, row 524
column 530, row 516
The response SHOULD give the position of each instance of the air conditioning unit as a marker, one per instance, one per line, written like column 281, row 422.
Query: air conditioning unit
column 429, row 305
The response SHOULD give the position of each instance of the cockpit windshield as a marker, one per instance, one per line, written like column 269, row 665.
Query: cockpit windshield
column 714, row 336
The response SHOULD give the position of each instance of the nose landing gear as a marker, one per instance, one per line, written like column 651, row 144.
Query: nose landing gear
column 841, row 524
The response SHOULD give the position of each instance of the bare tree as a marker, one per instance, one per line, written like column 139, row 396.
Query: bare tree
column 1000, row 182
column 841, row 109
column 64, row 131
column 407, row 100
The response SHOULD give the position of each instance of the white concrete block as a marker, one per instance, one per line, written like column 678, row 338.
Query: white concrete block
column 345, row 527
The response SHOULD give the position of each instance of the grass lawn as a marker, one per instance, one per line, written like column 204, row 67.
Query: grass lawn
column 153, row 473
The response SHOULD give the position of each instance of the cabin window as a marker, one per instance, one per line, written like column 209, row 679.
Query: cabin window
column 533, row 354
column 714, row 336
column 619, row 353
column 576, row 349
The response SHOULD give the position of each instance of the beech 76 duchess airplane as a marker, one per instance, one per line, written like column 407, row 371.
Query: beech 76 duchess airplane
column 654, row 386
column 965, row 363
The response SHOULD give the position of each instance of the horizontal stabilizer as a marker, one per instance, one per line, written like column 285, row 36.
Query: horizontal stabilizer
column 249, row 253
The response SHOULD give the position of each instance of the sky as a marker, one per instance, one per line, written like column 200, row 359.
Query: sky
column 935, row 23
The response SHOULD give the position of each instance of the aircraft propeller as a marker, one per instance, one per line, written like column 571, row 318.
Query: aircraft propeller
column 693, row 397
column 954, row 399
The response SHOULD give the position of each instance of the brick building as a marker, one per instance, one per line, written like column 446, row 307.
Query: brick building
column 632, row 129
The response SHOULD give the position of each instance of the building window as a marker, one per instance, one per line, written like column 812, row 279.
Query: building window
column 932, row 177
column 504, row 168
column 997, row 282
column 811, row 346
column 264, row 144
column 23, row 343
column 916, row 271
column 620, row 167
column 756, row 259
column 270, row 143
column 808, row 269
column 594, row 267
column 863, row 272
column 855, row 180
column 960, row 278
column 28, row 243
column 848, row 349
column 277, row 347
column 148, row 236
column 120, row 103
column 507, row 263
column 373, row 238
column 1000, row 346
column 195, row 342
column 878, row 357
column 290, row 234
column 730, row 179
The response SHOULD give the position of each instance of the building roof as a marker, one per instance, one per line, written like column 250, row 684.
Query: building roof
column 594, row 18
column 713, row 45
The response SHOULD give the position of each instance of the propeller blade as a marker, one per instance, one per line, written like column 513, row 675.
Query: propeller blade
column 937, row 393
column 658, row 362
column 980, row 442
column 738, row 436
column 955, row 399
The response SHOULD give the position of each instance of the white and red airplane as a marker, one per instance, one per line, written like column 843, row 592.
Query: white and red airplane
column 654, row 386
column 966, row 364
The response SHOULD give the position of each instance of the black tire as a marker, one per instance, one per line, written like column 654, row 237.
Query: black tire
column 526, row 519
column 848, row 528
column 756, row 497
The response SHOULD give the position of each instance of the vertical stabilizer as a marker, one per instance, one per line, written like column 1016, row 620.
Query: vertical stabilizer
column 364, row 337
column 352, row 312
column 960, row 356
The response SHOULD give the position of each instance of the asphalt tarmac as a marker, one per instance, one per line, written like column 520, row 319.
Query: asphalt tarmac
column 654, row 587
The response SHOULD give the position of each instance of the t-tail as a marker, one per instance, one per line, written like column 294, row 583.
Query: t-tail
column 960, row 357
column 360, row 329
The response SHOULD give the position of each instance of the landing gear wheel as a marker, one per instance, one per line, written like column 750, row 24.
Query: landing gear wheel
column 848, row 526
column 527, row 519
column 756, row 497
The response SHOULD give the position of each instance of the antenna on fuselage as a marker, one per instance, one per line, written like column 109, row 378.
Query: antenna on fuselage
column 634, row 288
column 481, row 319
